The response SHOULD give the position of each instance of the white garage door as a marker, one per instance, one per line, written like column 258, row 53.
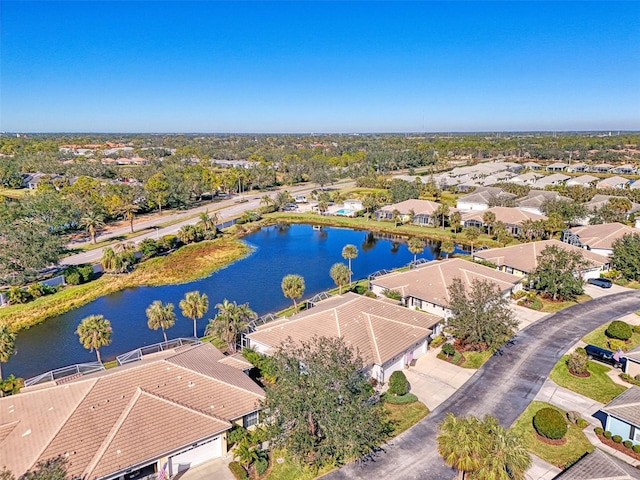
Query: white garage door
column 196, row 456
column 396, row 365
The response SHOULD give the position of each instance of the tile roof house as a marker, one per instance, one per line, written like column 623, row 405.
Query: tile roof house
column 427, row 286
column 613, row 182
column 536, row 198
column 625, row 169
column 423, row 211
column 553, row 179
column 526, row 178
column 598, row 201
column 511, row 217
column 522, row 259
column 601, row 168
column 556, row 167
column 532, row 166
column 482, row 198
column 388, row 336
column 175, row 406
column 599, row 465
column 582, row 181
column 577, row 167
column 623, row 415
column 597, row 238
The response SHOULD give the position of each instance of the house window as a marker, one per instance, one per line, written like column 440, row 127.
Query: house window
column 250, row 420
column 635, row 434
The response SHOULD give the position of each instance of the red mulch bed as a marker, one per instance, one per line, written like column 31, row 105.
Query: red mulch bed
column 620, row 447
column 549, row 441
column 584, row 375
column 449, row 359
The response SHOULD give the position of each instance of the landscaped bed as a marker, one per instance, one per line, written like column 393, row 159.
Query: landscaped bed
column 597, row 385
column 569, row 451
column 598, row 338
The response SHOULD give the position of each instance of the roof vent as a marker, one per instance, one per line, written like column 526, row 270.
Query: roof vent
column 191, row 384
column 50, row 409
column 28, row 432
column 118, row 451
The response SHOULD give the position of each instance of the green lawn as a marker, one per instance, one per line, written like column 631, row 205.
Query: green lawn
column 559, row 455
column 405, row 416
column 475, row 359
column 598, row 338
column 551, row 307
column 597, row 386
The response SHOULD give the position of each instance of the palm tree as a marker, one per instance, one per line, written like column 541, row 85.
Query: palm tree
column 454, row 220
column 92, row 222
column 7, row 345
column 505, row 457
column 442, row 211
column 108, row 260
column 416, row 246
column 447, row 246
column 293, row 287
column 162, row 316
column 128, row 210
column 489, row 219
column 472, row 234
column 349, row 252
column 230, row 321
column 340, row 274
column 460, row 443
column 208, row 222
column 396, row 217
column 94, row 332
column 194, row 305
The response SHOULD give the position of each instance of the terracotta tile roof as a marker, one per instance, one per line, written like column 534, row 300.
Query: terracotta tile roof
column 237, row 361
column 603, row 235
column 83, row 417
column 612, row 181
column 535, row 198
column 508, row 215
column 431, row 281
column 626, row 406
column 524, row 257
column 599, row 200
column 419, row 207
column 378, row 330
column 582, row 180
column 484, row 195
column 599, row 466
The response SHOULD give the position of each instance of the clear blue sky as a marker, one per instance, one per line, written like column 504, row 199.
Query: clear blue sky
column 303, row 67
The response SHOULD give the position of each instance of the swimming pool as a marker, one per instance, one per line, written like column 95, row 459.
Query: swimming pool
column 345, row 211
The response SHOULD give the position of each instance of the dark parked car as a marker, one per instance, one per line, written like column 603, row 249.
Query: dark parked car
column 605, row 356
column 600, row 282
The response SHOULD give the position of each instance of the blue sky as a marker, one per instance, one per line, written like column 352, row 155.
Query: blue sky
column 301, row 67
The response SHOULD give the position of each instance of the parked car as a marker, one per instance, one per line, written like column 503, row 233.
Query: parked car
column 605, row 356
column 600, row 282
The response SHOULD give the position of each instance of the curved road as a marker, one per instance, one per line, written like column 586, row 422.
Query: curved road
column 503, row 387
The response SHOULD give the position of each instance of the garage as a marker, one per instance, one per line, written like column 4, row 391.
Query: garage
column 195, row 456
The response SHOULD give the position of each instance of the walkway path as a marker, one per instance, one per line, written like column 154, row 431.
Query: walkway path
column 503, row 387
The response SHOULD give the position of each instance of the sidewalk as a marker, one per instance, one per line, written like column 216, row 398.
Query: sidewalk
column 541, row 470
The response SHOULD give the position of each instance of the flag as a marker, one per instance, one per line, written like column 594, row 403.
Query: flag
column 163, row 471
column 616, row 356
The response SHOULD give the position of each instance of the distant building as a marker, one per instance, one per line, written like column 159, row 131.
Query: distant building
column 511, row 217
column 613, row 182
column 420, row 212
column 597, row 238
column 482, row 198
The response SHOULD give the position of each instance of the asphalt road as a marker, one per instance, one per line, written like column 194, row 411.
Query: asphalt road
column 503, row 387
column 227, row 209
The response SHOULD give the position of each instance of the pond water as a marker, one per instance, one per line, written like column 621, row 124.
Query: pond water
column 277, row 251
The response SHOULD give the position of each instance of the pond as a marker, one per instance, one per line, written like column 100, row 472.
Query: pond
column 277, row 251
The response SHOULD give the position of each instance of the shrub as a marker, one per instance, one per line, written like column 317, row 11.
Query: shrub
column 392, row 294
column 36, row 290
column 619, row 330
column 581, row 350
column 401, row 400
column 261, row 466
column 169, row 242
column 73, row 278
column 607, row 434
column 258, row 435
column 637, row 377
column 617, row 439
column 398, row 383
column 550, row 423
column 370, row 294
column 86, row 273
column 438, row 340
column 582, row 423
column 628, row 443
column 636, row 448
column 577, row 363
column 238, row 471
column 636, row 329
column 599, row 430
column 237, row 434
column 617, row 344
column 448, row 349
column 149, row 247
column 18, row 295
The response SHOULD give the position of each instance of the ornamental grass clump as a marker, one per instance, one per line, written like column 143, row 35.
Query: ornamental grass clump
column 577, row 363
column 550, row 423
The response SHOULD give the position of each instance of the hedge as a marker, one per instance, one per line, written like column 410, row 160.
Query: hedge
column 619, row 330
column 599, row 430
column 550, row 423
column 617, row 439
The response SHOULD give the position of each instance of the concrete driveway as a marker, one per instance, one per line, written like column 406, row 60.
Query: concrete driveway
column 526, row 316
column 503, row 387
column 597, row 292
column 433, row 380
